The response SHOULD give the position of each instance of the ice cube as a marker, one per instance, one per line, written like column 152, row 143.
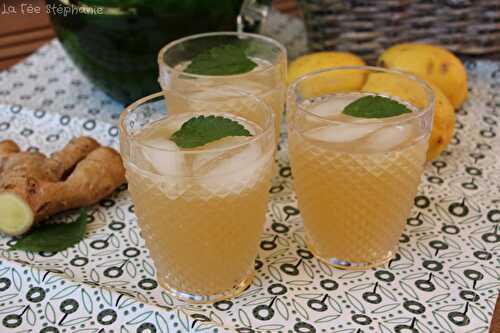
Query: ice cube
column 164, row 157
column 156, row 135
column 175, row 124
column 225, row 172
column 331, row 107
column 341, row 133
column 205, row 160
column 388, row 137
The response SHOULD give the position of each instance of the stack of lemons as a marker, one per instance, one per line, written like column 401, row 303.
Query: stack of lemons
column 442, row 70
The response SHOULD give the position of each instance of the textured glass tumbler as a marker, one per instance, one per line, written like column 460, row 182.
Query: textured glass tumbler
column 201, row 210
column 267, row 80
column 356, row 178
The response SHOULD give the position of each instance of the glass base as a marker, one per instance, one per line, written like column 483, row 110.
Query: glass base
column 351, row 265
column 197, row 299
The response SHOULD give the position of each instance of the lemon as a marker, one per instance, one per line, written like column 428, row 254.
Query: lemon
column 332, row 82
column 431, row 63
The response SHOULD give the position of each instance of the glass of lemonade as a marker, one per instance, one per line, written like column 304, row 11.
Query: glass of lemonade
column 261, row 72
column 201, row 209
column 356, row 169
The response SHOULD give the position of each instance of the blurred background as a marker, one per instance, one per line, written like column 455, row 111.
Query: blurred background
column 115, row 43
column 22, row 33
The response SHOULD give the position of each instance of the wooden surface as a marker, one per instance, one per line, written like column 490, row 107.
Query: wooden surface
column 22, row 32
column 287, row 6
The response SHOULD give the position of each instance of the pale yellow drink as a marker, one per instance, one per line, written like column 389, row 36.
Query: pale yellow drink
column 201, row 210
column 262, row 82
column 355, row 178
column 267, row 80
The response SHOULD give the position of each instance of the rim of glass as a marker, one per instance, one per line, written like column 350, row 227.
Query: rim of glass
column 179, row 41
column 269, row 125
column 389, row 120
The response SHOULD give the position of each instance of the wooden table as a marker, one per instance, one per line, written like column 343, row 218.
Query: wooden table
column 23, row 32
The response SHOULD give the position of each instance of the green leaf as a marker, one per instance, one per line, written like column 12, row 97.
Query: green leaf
column 199, row 131
column 375, row 107
column 221, row 60
column 53, row 237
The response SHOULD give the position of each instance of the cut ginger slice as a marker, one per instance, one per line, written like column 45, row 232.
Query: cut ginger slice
column 17, row 216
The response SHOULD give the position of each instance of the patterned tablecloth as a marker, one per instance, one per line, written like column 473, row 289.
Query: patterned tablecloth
column 445, row 277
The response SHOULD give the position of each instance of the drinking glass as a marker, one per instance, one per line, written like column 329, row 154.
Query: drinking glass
column 356, row 178
column 267, row 80
column 201, row 210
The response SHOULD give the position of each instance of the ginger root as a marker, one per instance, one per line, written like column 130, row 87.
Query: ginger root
column 34, row 186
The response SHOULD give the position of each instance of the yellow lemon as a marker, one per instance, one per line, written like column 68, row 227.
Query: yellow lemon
column 349, row 80
column 431, row 63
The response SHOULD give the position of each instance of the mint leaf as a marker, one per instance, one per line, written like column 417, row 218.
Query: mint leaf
column 199, row 131
column 221, row 60
column 53, row 237
column 375, row 107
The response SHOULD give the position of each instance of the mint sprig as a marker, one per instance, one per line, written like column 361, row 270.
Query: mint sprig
column 199, row 131
column 227, row 59
column 53, row 237
column 375, row 107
